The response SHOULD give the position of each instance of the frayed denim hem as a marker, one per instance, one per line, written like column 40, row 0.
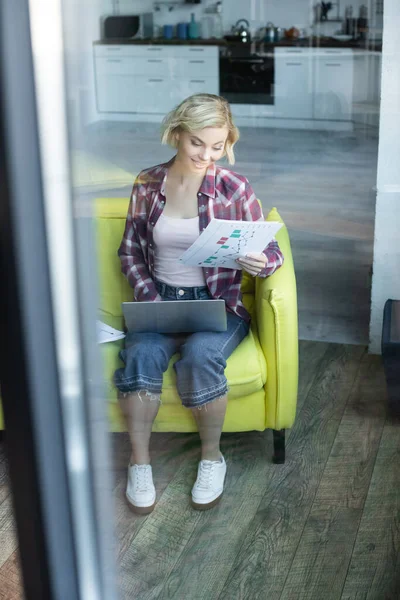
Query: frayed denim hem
column 153, row 397
column 135, row 384
column 203, row 404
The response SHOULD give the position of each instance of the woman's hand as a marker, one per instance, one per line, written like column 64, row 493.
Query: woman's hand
column 253, row 263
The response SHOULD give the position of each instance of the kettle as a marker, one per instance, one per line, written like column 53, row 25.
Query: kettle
column 242, row 32
column 270, row 32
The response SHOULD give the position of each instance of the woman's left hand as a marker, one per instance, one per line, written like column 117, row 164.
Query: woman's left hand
column 253, row 263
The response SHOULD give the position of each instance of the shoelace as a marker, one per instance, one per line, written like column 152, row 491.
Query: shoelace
column 142, row 479
column 205, row 475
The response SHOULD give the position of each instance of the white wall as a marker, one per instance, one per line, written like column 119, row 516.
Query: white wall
column 386, row 269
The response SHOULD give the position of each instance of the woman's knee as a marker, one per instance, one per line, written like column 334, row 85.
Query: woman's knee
column 146, row 352
column 145, row 360
column 201, row 357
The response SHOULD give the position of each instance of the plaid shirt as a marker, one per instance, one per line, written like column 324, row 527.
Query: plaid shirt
column 223, row 195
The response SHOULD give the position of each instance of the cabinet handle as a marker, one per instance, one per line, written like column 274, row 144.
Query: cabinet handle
column 115, row 60
column 197, row 81
column 294, row 64
column 333, row 51
column 154, row 49
column 116, row 49
column 333, row 64
column 154, row 80
column 196, row 49
column 197, row 61
column 294, row 51
column 154, row 60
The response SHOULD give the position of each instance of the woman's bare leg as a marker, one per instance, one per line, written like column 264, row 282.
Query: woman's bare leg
column 210, row 419
column 140, row 410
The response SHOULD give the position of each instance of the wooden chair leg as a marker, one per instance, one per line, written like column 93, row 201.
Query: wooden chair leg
column 279, row 446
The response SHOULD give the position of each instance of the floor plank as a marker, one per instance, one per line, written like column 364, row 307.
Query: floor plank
column 7, row 521
column 348, row 473
column 8, row 544
column 323, row 555
column 311, row 355
column 11, row 587
column 374, row 572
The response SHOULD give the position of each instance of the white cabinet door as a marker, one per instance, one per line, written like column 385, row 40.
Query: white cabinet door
column 157, row 95
column 293, row 83
column 117, row 93
column 205, row 85
column 333, row 86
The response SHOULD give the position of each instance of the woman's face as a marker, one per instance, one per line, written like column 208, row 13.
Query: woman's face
column 199, row 149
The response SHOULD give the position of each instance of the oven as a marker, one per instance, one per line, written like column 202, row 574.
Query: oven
column 247, row 79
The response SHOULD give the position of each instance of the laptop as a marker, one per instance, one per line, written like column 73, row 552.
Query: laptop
column 175, row 316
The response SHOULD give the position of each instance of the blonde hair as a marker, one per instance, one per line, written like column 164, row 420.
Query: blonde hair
column 197, row 112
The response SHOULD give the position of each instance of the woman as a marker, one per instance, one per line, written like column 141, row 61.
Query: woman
column 171, row 205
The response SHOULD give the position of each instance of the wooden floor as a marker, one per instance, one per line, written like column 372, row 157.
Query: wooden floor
column 323, row 184
column 324, row 526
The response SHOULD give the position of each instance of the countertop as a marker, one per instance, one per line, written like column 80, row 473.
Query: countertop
column 252, row 47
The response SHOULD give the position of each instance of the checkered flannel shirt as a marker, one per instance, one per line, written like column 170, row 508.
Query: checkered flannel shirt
column 222, row 195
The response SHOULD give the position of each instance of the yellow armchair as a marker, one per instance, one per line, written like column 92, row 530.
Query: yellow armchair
column 262, row 372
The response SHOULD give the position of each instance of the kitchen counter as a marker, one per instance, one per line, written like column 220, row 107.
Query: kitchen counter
column 162, row 41
column 252, row 47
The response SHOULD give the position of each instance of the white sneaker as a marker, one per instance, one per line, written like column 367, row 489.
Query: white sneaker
column 140, row 490
column 209, row 485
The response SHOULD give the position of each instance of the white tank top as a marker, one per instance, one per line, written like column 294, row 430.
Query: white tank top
column 172, row 237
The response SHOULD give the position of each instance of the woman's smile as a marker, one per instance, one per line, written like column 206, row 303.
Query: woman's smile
column 199, row 164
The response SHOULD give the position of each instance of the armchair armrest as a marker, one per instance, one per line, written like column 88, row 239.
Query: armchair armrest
column 277, row 324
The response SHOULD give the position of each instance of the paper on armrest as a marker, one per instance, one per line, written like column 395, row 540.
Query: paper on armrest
column 105, row 333
column 222, row 242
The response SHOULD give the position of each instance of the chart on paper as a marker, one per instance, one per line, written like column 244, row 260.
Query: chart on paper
column 222, row 242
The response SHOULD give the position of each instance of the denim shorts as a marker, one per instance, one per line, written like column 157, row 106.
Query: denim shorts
column 199, row 370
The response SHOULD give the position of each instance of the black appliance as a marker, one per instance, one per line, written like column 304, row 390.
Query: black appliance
column 121, row 27
column 247, row 79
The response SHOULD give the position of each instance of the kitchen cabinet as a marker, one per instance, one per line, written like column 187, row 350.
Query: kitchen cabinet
column 366, row 87
column 314, row 83
column 333, row 84
column 294, row 83
column 152, row 78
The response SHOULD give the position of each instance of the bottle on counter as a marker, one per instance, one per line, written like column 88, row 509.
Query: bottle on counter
column 218, row 27
column 193, row 29
column 362, row 23
column 207, row 27
column 350, row 22
column 348, row 12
